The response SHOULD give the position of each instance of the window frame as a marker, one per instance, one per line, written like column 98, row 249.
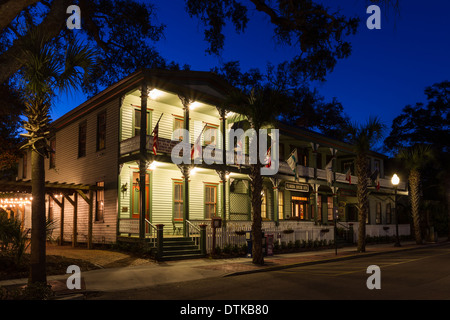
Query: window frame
column 209, row 129
column 138, row 125
column 100, row 203
column 82, row 143
column 207, row 204
column 180, row 183
column 280, row 205
column 178, row 119
column 101, row 131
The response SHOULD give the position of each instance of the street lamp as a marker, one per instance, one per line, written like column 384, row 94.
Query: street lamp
column 395, row 181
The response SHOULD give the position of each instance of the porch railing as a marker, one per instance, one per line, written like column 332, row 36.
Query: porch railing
column 193, row 231
column 130, row 227
column 152, row 233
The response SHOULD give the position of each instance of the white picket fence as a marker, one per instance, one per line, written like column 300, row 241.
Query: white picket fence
column 235, row 232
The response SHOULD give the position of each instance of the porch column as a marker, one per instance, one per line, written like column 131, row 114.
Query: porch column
column 90, row 202
column 185, row 173
column 61, row 221
column 333, row 184
column 276, row 185
column 223, row 176
column 185, row 168
column 143, row 160
column 315, row 148
column 223, row 179
column 316, row 200
column 74, row 203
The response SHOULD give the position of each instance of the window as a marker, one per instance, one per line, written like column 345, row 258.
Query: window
column 52, row 159
column 100, row 202
column 137, row 122
column 210, row 135
column 178, row 201
column 378, row 213
column 264, row 204
column 280, row 204
column 101, row 130
column 178, row 124
column 24, row 166
column 388, row 213
column 330, row 208
column 210, row 201
column 348, row 164
column 82, row 128
column 319, row 207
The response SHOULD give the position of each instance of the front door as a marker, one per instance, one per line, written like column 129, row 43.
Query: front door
column 299, row 207
column 135, row 203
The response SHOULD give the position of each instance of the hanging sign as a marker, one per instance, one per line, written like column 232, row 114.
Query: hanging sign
column 302, row 187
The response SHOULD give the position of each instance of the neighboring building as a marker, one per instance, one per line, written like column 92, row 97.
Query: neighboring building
column 98, row 150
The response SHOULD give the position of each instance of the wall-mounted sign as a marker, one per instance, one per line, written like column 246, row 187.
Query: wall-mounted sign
column 302, row 187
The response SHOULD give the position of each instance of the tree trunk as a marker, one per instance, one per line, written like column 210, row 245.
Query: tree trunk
column 38, row 232
column 363, row 201
column 414, row 180
column 256, row 183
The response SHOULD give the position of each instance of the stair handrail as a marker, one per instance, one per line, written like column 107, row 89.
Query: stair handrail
column 189, row 224
column 152, row 232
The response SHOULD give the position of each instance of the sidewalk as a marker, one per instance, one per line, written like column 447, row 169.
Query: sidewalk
column 146, row 275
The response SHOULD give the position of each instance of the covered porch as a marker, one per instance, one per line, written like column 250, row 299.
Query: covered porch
column 16, row 199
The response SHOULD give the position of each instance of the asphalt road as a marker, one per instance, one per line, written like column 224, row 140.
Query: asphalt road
column 422, row 274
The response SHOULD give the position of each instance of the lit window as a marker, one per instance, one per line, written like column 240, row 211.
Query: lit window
column 210, row 201
column 178, row 201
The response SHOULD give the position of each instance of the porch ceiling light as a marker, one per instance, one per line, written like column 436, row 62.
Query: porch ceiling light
column 395, row 180
column 155, row 93
column 153, row 165
column 194, row 105
column 193, row 170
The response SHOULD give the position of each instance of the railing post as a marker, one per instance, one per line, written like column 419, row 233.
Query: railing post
column 203, row 238
column 159, row 241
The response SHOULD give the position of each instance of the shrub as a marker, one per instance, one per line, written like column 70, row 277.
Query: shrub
column 13, row 240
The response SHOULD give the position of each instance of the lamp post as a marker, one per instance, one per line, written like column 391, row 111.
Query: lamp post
column 395, row 181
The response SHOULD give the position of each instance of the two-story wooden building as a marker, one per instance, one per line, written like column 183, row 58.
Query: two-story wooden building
column 106, row 144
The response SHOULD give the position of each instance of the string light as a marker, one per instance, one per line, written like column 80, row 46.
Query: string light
column 8, row 202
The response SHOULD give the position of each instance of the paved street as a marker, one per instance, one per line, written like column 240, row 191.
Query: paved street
column 416, row 274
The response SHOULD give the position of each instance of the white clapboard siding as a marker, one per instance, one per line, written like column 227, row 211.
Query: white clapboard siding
column 96, row 166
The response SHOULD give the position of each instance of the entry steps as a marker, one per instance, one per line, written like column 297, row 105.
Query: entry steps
column 180, row 248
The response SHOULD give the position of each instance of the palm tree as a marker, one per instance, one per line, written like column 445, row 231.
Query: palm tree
column 45, row 72
column 261, row 107
column 363, row 137
column 414, row 159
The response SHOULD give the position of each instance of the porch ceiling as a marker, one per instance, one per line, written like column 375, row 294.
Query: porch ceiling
column 24, row 186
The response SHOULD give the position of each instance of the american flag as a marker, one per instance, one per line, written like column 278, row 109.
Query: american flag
column 155, row 136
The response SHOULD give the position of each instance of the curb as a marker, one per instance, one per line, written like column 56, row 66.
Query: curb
column 343, row 258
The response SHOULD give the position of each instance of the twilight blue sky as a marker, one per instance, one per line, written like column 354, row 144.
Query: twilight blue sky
column 388, row 69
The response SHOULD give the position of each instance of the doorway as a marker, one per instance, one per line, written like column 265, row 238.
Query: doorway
column 299, row 207
column 135, row 203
